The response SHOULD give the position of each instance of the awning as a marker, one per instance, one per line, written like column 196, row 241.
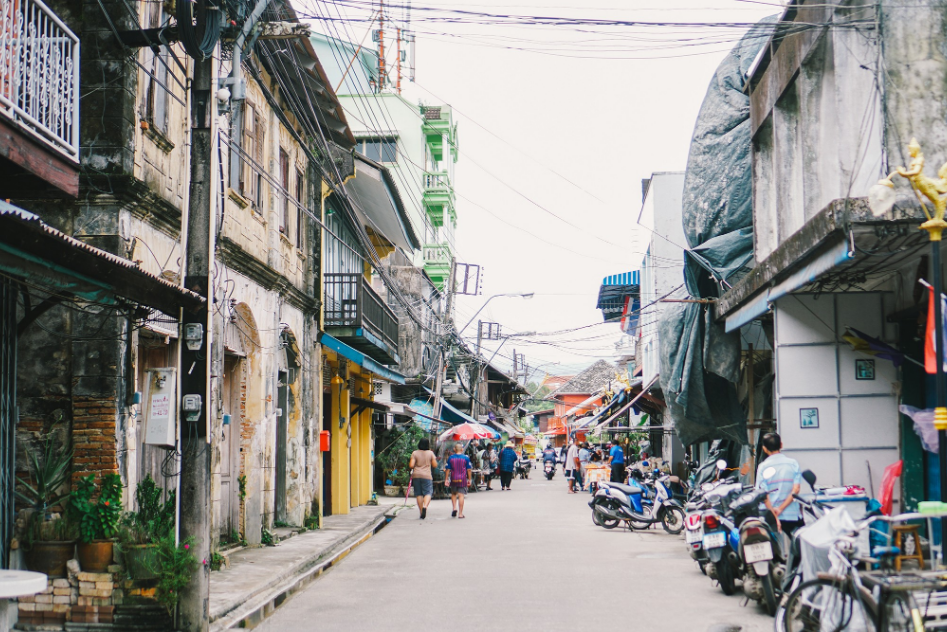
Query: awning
column 614, row 291
column 587, row 404
column 760, row 304
column 378, row 204
column 31, row 248
column 360, row 359
column 628, row 405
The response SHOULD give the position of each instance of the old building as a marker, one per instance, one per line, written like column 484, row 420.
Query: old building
column 831, row 111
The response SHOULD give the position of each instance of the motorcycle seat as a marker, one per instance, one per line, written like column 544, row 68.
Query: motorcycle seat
column 628, row 489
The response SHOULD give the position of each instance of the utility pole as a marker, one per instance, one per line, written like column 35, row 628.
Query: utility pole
column 382, row 71
column 448, row 322
column 194, row 497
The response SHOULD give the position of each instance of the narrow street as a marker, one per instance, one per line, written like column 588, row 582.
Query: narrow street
column 527, row 559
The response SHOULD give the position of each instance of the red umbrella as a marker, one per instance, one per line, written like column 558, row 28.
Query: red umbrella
column 468, row 432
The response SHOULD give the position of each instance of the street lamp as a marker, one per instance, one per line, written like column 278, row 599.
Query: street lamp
column 881, row 199
column 519, row 294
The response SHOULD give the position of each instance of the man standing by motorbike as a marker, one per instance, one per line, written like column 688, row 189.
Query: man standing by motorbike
column 616, row 459
column 572, row 466
column 785, row 481
column 584, row 457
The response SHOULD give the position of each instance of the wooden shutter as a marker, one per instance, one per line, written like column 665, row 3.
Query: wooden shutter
column 284, row 192
column 300, row 203
column 249, row 150
column 260, row 140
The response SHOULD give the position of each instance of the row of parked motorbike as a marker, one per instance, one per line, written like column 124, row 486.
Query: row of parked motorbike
column 724, row 528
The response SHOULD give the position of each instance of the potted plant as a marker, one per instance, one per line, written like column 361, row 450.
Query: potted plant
column 175, row 565
column 48, row 537
column 97, row 510
column 142, row 530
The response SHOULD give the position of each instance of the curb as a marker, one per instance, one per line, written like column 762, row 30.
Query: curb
column 261, row 606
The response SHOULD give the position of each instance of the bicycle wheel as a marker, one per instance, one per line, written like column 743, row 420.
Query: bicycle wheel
column 821, row 605
column 901, row 614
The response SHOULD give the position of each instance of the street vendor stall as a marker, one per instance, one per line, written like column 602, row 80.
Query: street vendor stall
column 595, row 473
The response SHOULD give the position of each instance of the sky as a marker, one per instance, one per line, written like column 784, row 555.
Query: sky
column 554, row 142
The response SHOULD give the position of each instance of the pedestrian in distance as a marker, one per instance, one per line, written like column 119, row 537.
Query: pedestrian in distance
column 458, row 471
column 784, row 482
column 422, row 462
column 572, row 466
column 616, row 459
column 507, row 465
column 584, row 456
column 490, row 460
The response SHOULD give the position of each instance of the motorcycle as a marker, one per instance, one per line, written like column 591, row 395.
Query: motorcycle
column 549, row 469
column 710, row 494
column 614, row 503
column 523, row 466
column 761, row 552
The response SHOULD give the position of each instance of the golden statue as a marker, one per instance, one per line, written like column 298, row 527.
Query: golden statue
column 931, row 188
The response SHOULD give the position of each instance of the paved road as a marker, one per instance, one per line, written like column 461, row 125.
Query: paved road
column 526, row 559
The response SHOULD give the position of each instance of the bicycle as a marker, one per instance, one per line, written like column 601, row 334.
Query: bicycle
column 847, row 599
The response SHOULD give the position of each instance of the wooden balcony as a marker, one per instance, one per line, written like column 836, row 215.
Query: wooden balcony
column 357, row 316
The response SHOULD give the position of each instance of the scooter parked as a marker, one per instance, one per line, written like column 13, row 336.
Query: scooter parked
column 523, row 466
column 614, row 503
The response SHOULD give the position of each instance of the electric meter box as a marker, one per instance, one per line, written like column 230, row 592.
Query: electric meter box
column 161, row 408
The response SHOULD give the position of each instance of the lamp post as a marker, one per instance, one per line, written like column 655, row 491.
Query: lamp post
column 519, row 294
column 881, row 199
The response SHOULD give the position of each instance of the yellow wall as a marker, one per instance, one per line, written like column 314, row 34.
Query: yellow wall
column 351, row 464
column 339, row 451
column 365, row 455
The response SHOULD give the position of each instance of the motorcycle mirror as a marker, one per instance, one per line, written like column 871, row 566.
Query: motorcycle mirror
column 809, row 477
column 721, row 464
column 769, row 473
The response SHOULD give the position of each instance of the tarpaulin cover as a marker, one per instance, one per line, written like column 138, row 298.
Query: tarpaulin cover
column 700, row 362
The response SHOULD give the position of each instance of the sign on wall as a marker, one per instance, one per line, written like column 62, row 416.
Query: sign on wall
column 808, row 417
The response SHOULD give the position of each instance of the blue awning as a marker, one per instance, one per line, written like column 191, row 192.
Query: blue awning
column 615, row 292
column 449, row 413
column 360, row 359
column 760, row 304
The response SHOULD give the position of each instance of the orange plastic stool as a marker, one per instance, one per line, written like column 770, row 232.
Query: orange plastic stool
column 911, row 531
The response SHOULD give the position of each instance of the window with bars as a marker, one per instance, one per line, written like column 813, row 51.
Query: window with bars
column 154, row 103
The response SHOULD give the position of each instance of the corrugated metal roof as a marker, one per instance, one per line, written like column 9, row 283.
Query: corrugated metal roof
column 14, row 212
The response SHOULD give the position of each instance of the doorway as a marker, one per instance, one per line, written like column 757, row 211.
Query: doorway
column 229, row 520
column 327, row 457
column 282, row 416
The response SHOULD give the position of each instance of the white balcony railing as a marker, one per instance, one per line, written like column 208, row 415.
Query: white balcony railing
column 39, row 74
column 436, row 180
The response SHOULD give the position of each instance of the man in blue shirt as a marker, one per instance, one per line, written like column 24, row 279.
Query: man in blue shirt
column 616, row 458
column 783, row 481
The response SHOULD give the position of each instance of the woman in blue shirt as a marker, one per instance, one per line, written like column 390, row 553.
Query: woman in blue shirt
column 507, row 465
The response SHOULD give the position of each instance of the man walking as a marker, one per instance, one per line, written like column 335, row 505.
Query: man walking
column 584, row 456
column 458, row 471
column 616, row 459
column 507, row 465
column 783, row 481
column 572, row 466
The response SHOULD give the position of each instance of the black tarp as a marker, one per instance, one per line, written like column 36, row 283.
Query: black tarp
column 700, row 363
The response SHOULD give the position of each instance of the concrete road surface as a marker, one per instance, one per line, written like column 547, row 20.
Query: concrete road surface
column 525, row 559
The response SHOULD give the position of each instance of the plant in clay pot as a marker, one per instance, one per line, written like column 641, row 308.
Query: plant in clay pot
column 48, row 538
column 97, row 510
column 141, row 531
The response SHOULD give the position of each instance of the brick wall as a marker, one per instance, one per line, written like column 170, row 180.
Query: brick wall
column 93, row 435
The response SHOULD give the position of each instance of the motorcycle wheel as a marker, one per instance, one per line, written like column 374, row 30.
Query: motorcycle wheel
column 608, row 523
column 673, row 520
column 769, row 595
column 725, row 576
